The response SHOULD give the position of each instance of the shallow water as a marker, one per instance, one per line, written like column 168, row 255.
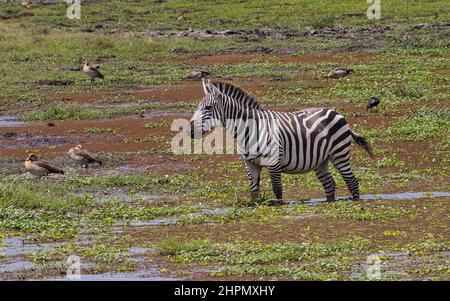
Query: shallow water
column 17, row 265
column 217, row 211
column 14, row 246
column 392, row 196
column 171, row 220
column 151, row 274
column 122, row 195
column 153, row 222
column 10, row 121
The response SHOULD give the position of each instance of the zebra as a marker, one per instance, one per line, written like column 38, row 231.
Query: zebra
column 307, row 140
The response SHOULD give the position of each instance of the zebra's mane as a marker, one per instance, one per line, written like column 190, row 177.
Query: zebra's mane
column 238, row 94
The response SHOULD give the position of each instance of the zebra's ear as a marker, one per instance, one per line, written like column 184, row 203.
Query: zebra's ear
column 205, row 86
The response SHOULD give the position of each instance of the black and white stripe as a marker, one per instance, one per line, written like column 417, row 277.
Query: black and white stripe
column 306, row 140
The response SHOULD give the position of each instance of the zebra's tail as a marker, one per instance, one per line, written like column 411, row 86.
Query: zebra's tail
column 362, row 142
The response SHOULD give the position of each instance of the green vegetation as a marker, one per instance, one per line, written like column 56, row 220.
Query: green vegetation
column 192, row 214
column 425, row 124
column 346, row 211
column 298, row 260
column 99, row 131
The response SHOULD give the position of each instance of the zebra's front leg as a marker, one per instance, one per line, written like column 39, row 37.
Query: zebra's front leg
column 327, row 181
column 254, row 176
column 275, row 176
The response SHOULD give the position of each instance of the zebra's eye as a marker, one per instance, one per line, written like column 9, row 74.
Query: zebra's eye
column 209, row 107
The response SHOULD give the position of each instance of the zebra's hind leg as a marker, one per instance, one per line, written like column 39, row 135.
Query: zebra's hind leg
column 275, row 176
column 342, row 164
column 325, row 177
column 254, row 175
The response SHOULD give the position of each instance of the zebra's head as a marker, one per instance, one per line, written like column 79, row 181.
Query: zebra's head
column 209, row 113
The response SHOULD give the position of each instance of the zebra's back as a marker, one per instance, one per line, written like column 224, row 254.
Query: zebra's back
column 311, row 137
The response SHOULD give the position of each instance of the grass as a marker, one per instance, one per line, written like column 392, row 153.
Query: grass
column 97, row 131
column 274, row 259
column 155, row 124
column 116, row 210
column 47, row 34
column 23, row 194
column 405, row 67
column 425, row 124
column 349, row 211
column 77, row 113
column 147, row 15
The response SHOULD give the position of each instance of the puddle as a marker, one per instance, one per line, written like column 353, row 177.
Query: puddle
column 132, row 168
column 14, row 246
column 138, row 251
column 162, row 113
column 171, row 220
column 10, row 121
column 217, row 211
column 148, row 274
column 119, row 194
column 138, row 276
column 302, row 216
column 177, row 166
column 154, row 222
column 16, row 266
column 121, row 105
column 40, row 141
column 393, row 196
column 395, row 263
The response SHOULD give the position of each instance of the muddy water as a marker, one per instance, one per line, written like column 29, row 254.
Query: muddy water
column 151, row 274
column 138, row 255
column 10, row 121
column 392, row 196
column 147, row 274
column 393, row 263
column 171, row 220
column 15, row 247
column 33, row 142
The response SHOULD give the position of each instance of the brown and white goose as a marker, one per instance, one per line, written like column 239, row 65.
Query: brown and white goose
column 92, row 71
column 82, row 156
column 339, row 73
column 40, row 168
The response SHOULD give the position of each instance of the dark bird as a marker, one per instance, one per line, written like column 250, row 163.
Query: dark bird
column 373, row 102
column 40, row 168
column 83, row 156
